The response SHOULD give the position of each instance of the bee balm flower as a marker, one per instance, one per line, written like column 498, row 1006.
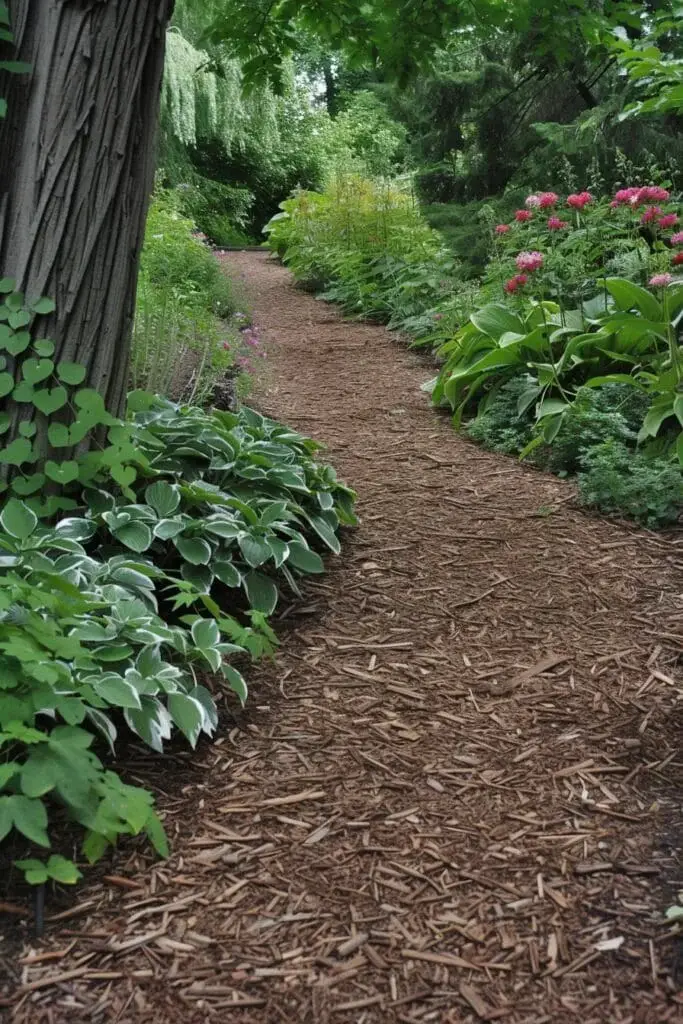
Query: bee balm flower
column 523, row 215
column 661, row 280
column 502, row 229
column 530, row 260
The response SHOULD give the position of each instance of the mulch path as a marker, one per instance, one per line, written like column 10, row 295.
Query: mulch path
column 455, row 795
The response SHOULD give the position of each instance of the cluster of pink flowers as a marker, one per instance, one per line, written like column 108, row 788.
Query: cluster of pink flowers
column 523, row 215
column 677, row 259
column 502, row 229
column 637, row 195
column 677, row 239
column 530, row 260
column 577, row 200
column 661, row 280
column 555, row 224
column 541, row 200
column 518, row 281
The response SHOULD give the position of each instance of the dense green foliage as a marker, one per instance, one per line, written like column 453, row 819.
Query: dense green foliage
column 530, row 354
column 182, row 531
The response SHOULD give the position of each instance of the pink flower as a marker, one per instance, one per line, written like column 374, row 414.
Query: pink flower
column 677, row 239
column 653, row 194
column 438, row 316
column 555, row 224
column 523, row 215
column 668, row 220
column 502, row 229
column 677, row 259
column 615, row 204
column 650, row 214
column 547, row 199
column 661, row 280
column 530, row 260
column 578, row 200
column 521, row 279
column 627, row 195
column 532, row 201
column 226, row 344
column 511, row 286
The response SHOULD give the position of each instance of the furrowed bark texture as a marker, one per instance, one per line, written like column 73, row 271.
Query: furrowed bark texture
column 76, row 170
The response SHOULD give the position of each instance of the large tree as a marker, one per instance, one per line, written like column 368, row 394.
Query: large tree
column 76, row 169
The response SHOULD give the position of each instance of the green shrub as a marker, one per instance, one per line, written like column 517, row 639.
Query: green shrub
column 498, row 425
column 617, row 481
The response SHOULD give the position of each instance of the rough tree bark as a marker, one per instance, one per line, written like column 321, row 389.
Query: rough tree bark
column 76, row 170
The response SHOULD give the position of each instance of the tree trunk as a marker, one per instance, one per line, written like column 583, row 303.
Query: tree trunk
column 77, row 168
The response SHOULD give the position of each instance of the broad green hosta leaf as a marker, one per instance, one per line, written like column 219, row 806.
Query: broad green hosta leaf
column 255, row 550
column 304, row 559
column 261, row 591
column 18, row 520
column 188, row 714
column 194, row 550
column 163, row 497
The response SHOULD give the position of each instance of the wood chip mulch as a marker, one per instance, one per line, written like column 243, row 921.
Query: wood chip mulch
column 454, row 797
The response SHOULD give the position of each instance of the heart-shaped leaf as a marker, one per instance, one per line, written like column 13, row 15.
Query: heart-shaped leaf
column 6, row 384
column 123, row 475
column 24, row 485
column 35, row 370
column 17, row 343
column 23, row 393
column 19, row 319
column 18, row 452
column 50, row 400
column 58, row 435
column 44, row 347
column 61, row 472
column 43, row 306
column 71, row 373
column 27, row 428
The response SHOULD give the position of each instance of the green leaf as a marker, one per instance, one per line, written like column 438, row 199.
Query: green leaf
column 35, row 370
column 71, row 373
column 38, row 775
column 194, row 550
column 255, row 550
column 44, row 347
column 6, row 818
column 136, row 536
column 325, row 532
column 118, row 692
column 23, row 393
column 7, row 284
column 236, row 682
column 43, row 306
column 19, row 319
column 30, row 818
column 6, row 384
column 17, row 343
column 188, row 714
column 261, row 591
column 156, row 835
column 35, row 872
column 205, row 633
column 27, row 428
column 24, row 485
column 163, row 497
column 495, row 320
column 61, row 472
column 227, row 573
column 18, row 520
column 58, row 435
column 50, row 400
column 166, row 529
column 303, row 558
column 62, row 870
column 628, row 295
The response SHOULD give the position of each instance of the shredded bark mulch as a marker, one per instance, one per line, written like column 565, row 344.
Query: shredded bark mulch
column 455, row 795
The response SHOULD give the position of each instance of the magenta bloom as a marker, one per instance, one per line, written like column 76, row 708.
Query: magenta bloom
column 532, row 201
column 530, row 260
column 650, row 215
column 677, row 239
column 555, row 224
column 577, row 200
column 669, row 220
column 653, row 194
column 547, row 199
column 523, row 215
column 627, row 195
column 502, row 229
column 661, row 280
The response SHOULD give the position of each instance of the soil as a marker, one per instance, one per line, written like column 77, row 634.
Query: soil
column 455, row 794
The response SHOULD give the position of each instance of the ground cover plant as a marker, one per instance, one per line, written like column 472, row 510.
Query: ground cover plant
column 134, row 573
column 581, row 293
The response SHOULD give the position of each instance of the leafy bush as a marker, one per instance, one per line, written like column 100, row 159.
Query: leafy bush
column 182, row 531
column 498, row 424
column 367, row 244
column 182, row 331
column 618, row 481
